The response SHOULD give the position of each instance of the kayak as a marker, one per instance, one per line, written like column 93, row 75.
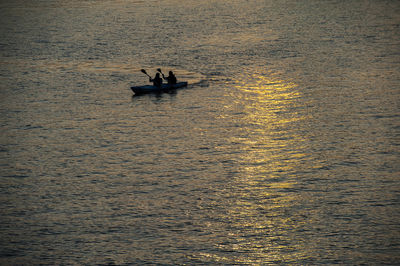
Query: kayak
column 152, row 88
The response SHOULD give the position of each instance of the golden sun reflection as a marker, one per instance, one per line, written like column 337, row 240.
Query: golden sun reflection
column 264, row 192
column 270, row 120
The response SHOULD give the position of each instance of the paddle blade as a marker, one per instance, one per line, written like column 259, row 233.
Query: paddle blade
column 143, row 71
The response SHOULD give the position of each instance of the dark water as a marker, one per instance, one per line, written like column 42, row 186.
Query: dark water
column 283, row 150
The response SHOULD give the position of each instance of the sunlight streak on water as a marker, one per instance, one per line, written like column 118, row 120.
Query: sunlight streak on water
column 263, row 192
column 270, row 113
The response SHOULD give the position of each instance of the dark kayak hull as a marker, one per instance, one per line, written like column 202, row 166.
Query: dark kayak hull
column 163, row 88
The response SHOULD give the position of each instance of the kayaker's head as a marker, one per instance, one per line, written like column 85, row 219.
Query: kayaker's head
column 171, row 73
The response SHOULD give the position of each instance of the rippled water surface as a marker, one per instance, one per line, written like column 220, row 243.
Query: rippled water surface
column 284, row 148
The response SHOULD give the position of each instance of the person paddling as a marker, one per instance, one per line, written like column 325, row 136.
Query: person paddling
column 171, row 79
column 157, row 81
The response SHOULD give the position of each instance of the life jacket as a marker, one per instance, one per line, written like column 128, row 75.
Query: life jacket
column 171, row 79
column 157, row 82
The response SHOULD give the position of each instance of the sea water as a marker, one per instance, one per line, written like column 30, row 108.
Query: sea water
column 284, row 148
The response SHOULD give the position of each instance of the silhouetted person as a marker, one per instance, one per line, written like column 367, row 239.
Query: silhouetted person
column 171, row 78
column 157, row 81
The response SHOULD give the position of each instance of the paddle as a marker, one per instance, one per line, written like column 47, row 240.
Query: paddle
column 144, row 72
column 159, row 70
